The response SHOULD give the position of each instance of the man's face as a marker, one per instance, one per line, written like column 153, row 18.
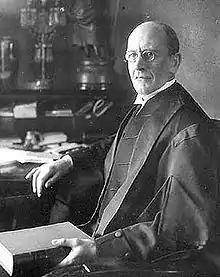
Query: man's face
column 152, row 72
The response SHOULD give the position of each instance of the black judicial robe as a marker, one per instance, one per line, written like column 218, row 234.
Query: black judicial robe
column 161, row 189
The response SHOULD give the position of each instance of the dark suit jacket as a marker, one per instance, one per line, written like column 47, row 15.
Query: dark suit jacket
column 168, row 198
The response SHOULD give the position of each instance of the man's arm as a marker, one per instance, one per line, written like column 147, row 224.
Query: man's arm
column 85, row 158
column 92, row 155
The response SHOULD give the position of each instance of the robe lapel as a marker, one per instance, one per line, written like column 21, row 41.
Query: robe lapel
column 153, row 118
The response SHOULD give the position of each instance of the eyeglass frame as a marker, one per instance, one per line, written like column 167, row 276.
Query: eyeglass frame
column 142, row 55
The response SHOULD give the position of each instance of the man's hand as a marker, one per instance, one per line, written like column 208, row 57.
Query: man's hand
column 82, row 251
column 47, row 174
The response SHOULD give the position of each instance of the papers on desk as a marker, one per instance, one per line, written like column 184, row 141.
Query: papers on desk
column 25, row 110
column 52, row 138
column 8, row 142
column 22, row 156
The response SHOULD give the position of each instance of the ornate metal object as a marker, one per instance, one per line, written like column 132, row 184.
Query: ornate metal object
column 42, row 18
column 8, row 57
column 95, row 74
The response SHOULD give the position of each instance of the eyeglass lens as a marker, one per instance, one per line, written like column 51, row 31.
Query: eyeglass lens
column 146, row 55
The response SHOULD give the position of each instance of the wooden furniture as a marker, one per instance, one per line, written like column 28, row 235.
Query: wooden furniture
column 82, row 124
column 19, row 207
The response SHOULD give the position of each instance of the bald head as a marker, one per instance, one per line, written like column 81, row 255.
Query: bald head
column 169, row 35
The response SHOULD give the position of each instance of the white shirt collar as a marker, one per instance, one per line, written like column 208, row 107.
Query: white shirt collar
column 142, row 99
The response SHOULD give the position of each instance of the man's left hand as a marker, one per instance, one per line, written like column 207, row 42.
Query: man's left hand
column 82, row 250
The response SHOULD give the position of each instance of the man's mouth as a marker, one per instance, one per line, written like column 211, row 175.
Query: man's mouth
column 142, row 78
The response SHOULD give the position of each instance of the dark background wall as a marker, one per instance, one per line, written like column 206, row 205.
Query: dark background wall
column 197, row 23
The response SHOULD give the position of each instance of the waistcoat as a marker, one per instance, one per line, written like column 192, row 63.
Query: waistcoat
column 123, row 155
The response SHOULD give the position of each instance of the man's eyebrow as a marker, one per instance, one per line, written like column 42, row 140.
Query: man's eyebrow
column 130, row 51
column 149, row 50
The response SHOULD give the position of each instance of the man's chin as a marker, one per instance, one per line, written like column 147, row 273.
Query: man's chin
column 142, row 90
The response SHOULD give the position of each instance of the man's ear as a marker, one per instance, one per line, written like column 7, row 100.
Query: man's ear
column 175, row 63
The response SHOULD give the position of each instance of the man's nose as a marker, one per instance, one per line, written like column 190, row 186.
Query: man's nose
column 140, row 63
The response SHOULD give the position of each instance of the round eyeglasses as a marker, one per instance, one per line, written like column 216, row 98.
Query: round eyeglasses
column 147, row 56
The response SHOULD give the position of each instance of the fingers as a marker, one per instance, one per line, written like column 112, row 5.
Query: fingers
column 71, row 257
column 30, row 174
column 82, row 250
column 42, row 177
column 75, row 256
column 45, row 175
column 65, row 242
column 52, row 180
column 38, row 181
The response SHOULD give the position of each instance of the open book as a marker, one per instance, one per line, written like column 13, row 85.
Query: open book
column 31, row 245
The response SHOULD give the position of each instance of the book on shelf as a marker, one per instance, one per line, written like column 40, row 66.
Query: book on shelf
column 32, row 247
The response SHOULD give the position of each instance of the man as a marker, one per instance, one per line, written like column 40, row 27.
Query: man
column 160, row 194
